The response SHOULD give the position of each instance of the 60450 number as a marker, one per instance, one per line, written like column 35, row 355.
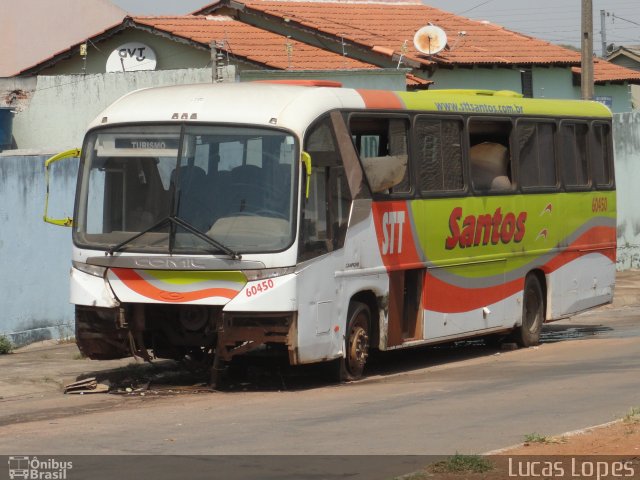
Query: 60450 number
column 259, row 288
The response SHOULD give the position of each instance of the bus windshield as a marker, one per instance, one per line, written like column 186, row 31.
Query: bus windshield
column 164, row 188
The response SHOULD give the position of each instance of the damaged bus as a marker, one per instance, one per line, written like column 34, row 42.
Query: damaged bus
column 322, row 222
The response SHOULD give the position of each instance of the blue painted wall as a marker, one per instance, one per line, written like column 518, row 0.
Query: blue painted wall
column 34, row 257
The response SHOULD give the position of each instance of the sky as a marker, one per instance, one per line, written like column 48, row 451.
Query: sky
column 557, row 21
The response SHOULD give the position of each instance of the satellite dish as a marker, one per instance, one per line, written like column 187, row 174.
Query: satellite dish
column 430, row 39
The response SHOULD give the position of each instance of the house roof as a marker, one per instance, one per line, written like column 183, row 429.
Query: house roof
column 251, row 43
column 240, row 40
column 388, row 27
column 607, row 72
column 630, row 51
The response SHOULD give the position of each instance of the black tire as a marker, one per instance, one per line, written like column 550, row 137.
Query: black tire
column 356, row 342
column 533, row 312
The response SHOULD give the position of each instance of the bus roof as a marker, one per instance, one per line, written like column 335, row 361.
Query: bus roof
column 294, row 106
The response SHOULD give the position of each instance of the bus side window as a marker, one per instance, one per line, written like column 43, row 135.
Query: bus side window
column 439, row 154
column 601, row 158
column 536, row 154
column 382, row 143
column 574, row 154
column 489, row 155
column 326, row 211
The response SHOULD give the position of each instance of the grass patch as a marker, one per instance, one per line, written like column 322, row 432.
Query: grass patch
column 78, row 356
column 537, row 438
column 633, row 416
column 5, row 345
column 459, row 463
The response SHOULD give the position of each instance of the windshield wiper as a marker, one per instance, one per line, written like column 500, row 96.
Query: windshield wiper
column 181, row 223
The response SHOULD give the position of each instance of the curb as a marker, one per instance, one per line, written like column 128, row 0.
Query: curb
column 572, row 433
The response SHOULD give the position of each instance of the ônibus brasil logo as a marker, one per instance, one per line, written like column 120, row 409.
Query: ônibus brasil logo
column 32, row 468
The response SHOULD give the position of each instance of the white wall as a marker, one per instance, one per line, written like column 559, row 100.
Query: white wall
column 62, row 106
column 626, row 131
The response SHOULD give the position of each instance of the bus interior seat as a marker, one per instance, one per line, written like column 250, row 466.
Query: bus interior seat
column 490, row 166
column 195, row 196
column 281, row 189
column 149, row 196
column 247, row 189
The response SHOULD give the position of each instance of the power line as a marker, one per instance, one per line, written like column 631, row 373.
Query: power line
column 477, row 6
column 614, row 16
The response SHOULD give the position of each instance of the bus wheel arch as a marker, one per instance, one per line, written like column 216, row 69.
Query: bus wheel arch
column 360, row 329
column 534, row 305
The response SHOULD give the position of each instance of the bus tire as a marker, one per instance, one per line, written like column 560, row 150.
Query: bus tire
column 528, row 334
column 356, row 342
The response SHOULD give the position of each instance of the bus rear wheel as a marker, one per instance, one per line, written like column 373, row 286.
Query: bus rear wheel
column 528, row 334
column 356, row 342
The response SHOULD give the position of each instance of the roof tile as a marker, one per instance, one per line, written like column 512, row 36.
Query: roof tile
column 392, row 26
column 252, row 43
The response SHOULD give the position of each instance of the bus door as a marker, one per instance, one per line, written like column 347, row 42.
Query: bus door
column 323, row 228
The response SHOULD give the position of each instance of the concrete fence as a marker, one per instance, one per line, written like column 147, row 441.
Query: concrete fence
column 626, row 131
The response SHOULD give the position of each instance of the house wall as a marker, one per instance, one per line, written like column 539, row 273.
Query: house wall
column 382, row 79
column 553, row 82
column 170, row 54
column 627, row 62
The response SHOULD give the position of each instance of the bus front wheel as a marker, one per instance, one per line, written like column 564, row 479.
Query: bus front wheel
column 528, row 334
column 356, row 342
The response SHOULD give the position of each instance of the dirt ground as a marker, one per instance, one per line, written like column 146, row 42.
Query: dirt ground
column 604, row 452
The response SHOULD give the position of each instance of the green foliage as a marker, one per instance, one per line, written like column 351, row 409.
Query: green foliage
column 5, row 345
column 463, row 464
column 633, row 416
column 535, row 438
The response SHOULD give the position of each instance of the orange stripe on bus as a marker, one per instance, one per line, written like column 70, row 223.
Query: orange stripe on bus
column 139, row 285
column 443, row 297
column 381, row 99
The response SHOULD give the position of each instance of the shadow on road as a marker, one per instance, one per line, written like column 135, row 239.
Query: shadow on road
column 273, row 373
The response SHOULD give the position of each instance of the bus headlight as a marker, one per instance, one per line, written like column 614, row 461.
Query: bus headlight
column 94, row 270
column 268, row 273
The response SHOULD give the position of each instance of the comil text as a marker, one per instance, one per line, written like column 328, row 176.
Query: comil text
column 476, row 230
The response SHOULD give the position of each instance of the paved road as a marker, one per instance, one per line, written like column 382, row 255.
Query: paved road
column 467, row 399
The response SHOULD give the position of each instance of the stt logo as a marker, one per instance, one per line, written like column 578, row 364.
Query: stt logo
column 392, row 224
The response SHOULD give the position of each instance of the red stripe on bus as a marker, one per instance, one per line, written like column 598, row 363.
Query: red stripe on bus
column 139, row 285
column 381, row 99
column 396, row 243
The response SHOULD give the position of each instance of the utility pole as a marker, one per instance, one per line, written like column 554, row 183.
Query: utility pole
column 587, row 50
column 214, row 62
column 603, row 32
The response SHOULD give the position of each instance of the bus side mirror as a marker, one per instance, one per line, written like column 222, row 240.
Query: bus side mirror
column 306, row 160
column 62, row 222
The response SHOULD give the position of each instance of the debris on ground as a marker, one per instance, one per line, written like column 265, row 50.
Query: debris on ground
column 86, row 385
